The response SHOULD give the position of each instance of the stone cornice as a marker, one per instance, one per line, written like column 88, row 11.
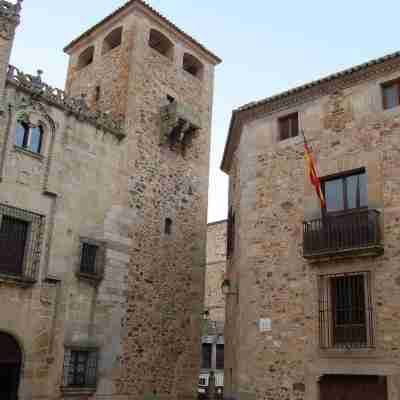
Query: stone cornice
column 58, row 98
column 304, row 94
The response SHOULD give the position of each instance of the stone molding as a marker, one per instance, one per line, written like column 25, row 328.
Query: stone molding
column 58, row 98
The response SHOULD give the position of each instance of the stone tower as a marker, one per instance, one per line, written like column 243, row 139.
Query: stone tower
column 142, row 69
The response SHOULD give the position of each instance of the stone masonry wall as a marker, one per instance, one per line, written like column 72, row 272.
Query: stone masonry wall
column 347, row 129
column 215, row 270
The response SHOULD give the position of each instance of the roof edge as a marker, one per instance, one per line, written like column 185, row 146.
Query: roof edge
column 215, row 59
column 291, row 97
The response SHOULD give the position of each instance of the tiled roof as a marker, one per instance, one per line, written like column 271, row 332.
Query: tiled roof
column 153, row 11
column 310, row 90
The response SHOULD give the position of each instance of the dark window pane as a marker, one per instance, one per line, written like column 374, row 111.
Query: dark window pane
column 363, row 190
column 294, row 125
column 220, row 356
column 21, row 134
column 88, row 260
column 391, row 96
column 13, row 236
column 206, row 356
column 334, row 195
column 357, row 191
column 36, row 139
column 284, row 129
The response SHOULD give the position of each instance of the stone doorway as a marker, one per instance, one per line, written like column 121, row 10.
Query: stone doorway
column 10, row 367
column 351, row 387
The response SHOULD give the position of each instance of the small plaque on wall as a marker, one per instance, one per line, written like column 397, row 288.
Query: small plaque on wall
column 265, row 325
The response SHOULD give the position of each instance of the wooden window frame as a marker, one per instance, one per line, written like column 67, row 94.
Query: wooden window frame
column 289, row 117
column 343, row 176
column 386, row 85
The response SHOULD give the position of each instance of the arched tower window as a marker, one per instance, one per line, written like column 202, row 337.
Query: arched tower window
column 10, row 366
column 161, row 43
column 29, row 137
column 86, row 57
column 112, row 40
column 192, row 65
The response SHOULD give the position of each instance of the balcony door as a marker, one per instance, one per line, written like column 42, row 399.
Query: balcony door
column 353, row 387
column 10, row 367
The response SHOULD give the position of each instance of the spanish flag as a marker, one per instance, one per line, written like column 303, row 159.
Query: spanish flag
column 312, row 172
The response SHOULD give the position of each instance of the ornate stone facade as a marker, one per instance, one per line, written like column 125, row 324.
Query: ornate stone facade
column 281, row 332
column 118, row 288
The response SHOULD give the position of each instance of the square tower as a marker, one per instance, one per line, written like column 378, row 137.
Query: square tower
column 140, row 68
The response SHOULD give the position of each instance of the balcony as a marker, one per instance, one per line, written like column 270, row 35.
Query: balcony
column 355, row 232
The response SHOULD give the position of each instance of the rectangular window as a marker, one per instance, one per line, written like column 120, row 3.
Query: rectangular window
column 80, row 368
column 391, row 94
column 206, row 355
column 13, row 238
column 21, row 235
column 346, row 310
column 346, row 192
column 220, row 356
column 289, row 126
column 88, row 259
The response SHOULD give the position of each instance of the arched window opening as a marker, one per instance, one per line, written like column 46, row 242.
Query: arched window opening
column 192, row 65
column 10, row 366
column 112, row 40
column 161, row 43
column 29, row 137
column 86, row 58
column 168, row 226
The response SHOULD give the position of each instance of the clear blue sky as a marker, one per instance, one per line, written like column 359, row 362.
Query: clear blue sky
column 267, row 47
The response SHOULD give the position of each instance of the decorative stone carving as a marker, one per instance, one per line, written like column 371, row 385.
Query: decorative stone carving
column 39, row 90
column 179, row 126
column 9, row 18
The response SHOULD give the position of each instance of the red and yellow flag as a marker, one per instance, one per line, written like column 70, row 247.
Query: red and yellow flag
column 312, row 172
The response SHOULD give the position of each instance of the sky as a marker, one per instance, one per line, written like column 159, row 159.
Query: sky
column 267, row 47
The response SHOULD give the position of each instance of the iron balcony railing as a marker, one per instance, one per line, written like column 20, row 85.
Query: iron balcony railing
column 353, row 231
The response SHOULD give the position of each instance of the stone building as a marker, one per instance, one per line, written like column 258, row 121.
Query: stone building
column 103, row 205
column 314, row 292
column 214, row 308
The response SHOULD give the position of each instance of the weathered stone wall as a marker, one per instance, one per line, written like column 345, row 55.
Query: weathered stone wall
column 215, row 270
column 271, row 194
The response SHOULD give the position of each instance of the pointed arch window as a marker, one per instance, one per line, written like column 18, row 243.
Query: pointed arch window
column 29, row 137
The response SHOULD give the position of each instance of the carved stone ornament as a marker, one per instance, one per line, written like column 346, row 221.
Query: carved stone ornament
column 9, row 18
column 6, row 29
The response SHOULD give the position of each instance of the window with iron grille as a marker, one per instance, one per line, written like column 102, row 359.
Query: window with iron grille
column 391, row 94
column 80, row 368
column 21, row 235
column 289, row 126
column 91, row 263
column 345, row 314
column 206, row 355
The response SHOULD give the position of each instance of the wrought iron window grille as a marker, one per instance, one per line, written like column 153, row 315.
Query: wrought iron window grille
column 80, row 368
column 91, row 261
column 21, row 236
column 346, row 318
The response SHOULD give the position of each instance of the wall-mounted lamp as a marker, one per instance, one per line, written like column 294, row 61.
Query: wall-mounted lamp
column 226, row 288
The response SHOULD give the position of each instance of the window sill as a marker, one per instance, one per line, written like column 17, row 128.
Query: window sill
column 296, row 140
column 92, row 278
column 78, row 391
column 29, row 153
column 19, row 280
column 365, row 352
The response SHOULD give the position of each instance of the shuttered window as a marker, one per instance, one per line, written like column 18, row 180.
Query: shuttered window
column 391, row 94
column 220, row 357
column 13, row 237
column 206, row 355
